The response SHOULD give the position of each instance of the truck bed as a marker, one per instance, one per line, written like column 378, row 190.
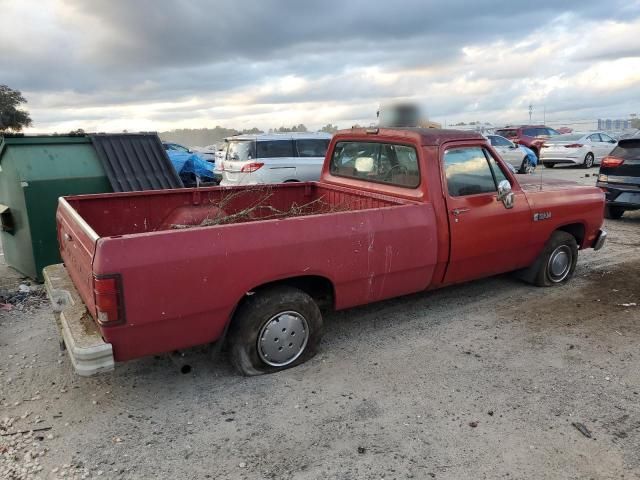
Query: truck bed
column 133, row 213
column 185, row 258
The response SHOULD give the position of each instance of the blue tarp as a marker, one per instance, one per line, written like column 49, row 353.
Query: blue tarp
column 531, row 155
column 191, row 166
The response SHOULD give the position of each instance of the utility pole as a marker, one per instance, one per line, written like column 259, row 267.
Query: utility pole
column 530, row 111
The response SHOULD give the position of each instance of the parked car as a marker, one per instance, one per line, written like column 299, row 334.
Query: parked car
column 176, row 147
column 531, row 136
column 396, row 211
column 273, row 158
column 635, row 133
column 619, row 177
column 208, row 153
column 516, row 155
column 576, row 149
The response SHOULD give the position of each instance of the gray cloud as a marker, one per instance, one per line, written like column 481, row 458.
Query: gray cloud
column 121, row 53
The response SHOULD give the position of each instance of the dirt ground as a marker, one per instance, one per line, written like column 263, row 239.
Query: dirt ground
column 491, row 379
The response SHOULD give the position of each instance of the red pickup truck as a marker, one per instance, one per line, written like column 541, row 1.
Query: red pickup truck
column 396, row 211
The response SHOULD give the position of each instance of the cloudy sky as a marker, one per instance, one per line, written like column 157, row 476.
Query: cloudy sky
column 110, row 65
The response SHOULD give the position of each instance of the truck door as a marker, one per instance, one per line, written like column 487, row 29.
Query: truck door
column 486, row 238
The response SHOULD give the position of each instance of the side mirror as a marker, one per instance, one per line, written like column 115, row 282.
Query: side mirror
column 513, row 145
column 505, row 195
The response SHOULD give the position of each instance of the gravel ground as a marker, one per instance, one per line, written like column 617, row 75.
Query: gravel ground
column 491, row 379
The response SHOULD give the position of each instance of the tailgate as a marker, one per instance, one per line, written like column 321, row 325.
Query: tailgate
column 77, row 246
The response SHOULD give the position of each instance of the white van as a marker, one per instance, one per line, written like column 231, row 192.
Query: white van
column 273, row 158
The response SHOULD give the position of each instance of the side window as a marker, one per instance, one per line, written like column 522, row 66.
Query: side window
column 468, row 172
column 274, row 148
column 376, row 162
column 595, row 137
column 498, row 141
column 312, row 147
column 530, row 132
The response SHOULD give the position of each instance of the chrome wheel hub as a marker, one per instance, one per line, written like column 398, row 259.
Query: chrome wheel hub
column 559, row 263
column 283, row 338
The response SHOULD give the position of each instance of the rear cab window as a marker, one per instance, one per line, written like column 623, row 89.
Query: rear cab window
column 377, row 162
column 471, row 171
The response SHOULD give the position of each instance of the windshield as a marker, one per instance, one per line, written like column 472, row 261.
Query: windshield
column 512, row 132
column 241, row 150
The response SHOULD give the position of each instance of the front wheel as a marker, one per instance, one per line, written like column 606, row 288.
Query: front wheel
column 274, row 329
column 557, row 261
column 588, row 161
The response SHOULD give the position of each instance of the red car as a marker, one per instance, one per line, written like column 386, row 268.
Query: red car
column 530, row 136
column 396, row 211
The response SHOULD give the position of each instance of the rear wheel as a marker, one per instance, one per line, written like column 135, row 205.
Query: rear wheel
column 274, row 329
column 588, row 160
column 557, row 261
column 613, row 213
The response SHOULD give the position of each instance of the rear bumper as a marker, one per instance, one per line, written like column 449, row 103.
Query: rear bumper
column 600, row 240
column 88, row 352
column 619, row 196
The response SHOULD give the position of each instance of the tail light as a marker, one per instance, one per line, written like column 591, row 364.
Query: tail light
column 251, row 167
column 574, row 145
column 611, row 162
column 108, row 298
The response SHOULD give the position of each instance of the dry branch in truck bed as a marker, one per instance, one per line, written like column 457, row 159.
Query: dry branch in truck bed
column 240, row 207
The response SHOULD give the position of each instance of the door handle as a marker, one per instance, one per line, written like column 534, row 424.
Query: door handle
column 458, row 211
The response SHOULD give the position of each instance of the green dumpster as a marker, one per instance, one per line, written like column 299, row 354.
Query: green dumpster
column 34, row 172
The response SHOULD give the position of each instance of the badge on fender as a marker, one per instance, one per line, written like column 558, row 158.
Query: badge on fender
column 541, row 216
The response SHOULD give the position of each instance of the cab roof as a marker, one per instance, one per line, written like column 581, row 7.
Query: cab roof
column 426, row 136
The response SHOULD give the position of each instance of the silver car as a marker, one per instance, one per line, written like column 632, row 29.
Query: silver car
column 513, row 154
column 583, row 149
column 273, row 158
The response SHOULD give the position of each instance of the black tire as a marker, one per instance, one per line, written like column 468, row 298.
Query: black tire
column 560, row 244
column 260, row 311
column 589, row 160
column 613, row 213
column 526, row 166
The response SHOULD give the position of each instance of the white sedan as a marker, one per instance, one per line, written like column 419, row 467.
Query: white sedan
column 583, row 149
column 511, row 153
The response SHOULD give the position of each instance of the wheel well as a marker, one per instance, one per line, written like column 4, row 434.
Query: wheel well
column 575, row 229
column 317, row 287
column 291, row 180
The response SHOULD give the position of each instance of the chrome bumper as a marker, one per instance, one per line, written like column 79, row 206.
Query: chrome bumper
column 88, row 352
column 600, row 240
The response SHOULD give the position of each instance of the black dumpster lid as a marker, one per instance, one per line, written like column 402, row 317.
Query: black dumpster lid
column 135, row 161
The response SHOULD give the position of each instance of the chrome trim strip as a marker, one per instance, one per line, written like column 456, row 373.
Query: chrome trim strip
column 78, row 219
